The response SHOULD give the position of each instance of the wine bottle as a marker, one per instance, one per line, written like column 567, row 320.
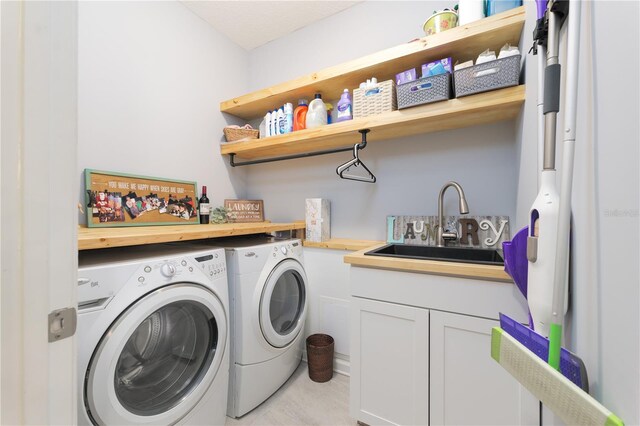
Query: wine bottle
column 203, row 207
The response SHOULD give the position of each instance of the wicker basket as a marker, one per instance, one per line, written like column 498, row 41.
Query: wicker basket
column 320, row 357
column 233, row 134
column 491, row 75
column 375, row 101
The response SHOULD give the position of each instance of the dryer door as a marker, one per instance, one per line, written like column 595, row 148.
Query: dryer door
column 283, row 304
column 158, row 359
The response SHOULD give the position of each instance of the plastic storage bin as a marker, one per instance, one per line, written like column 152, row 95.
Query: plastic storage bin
column 320, row 357
column 498, row 6
column 424, row 90
column 488, row 76
column 368, row 102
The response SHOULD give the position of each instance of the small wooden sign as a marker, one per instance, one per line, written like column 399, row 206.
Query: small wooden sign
column 239, row 211
column 118, row 199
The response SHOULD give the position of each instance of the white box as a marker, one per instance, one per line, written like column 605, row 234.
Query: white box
column 318, row 219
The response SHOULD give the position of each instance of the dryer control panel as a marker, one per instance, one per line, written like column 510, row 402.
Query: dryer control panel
column 291, row 248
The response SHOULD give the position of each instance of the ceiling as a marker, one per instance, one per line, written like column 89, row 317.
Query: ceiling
column 253, row 23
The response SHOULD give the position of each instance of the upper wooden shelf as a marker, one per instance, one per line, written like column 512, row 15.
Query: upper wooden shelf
column 97, row 238
column 460, row 43
column 489, row 107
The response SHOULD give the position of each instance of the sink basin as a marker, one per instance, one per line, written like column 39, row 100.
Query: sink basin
column 448, row 254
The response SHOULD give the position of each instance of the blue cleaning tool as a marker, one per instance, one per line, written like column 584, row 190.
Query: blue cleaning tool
column 571, row 366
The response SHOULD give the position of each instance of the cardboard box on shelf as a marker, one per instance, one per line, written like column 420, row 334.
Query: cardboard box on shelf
column 318, row 219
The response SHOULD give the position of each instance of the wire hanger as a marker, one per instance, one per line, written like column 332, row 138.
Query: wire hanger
column 344, row 170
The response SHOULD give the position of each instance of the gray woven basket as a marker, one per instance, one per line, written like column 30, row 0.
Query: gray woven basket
column 424, row 90
column 488, row 76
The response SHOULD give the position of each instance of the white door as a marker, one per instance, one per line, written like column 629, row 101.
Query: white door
column 40, row 188
column 157, row 360
column 467, row 386
column 389, row 363
column 283, row 304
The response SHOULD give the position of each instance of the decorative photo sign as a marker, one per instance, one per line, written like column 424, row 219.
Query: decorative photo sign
column 118, row 199
column 473, row 231
column 241, row 211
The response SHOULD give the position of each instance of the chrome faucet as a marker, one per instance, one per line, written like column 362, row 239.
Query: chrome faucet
column 464, row 209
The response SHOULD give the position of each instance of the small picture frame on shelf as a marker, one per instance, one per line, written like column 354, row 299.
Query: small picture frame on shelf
column 117, row 199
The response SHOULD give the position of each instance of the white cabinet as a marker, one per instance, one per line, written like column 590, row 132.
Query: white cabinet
column 467, row 386
column 421, row 352
column 391, row 382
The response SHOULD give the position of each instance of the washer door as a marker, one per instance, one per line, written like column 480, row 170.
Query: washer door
column 284, row 303
column 158, row 359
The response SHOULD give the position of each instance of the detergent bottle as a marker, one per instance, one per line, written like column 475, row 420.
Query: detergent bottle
column 345, row 111
column 317, row 114
column 300, row 115
column 288, row 118
column 329, row 108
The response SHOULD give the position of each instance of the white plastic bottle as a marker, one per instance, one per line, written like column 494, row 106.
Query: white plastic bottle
column 281, row 121
column 288, row 117
column 274, row 123
column 317, row 114
column 267, row 125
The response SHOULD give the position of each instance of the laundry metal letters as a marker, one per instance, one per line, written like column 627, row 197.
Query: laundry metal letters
column 472, row 231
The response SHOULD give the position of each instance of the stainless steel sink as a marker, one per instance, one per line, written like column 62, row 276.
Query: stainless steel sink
column 448, row 254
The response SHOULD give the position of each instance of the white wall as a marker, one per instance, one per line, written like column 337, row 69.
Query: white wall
column 328, row 301
column 410, row 170
column 603, row 324
column 151, row 77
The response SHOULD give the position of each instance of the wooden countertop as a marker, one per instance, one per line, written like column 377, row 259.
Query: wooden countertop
column 454, row 269
column 343, row 244
column 97, row 238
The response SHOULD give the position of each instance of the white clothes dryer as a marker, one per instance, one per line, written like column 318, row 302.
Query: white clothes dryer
column 268, row 304
column 153, row 344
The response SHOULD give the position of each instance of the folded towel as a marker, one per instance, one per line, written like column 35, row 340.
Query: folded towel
column 234, row 126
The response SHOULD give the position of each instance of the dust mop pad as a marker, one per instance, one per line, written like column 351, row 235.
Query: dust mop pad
column 559, row 394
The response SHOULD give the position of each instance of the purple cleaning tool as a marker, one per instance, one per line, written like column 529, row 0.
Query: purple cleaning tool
column 542, row 7
column 571, row 366
column 515, row 259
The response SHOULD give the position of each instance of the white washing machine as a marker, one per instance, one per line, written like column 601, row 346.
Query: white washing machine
column 268, row 302
column 153, row 344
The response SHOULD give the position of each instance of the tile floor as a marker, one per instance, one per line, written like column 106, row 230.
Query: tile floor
column 301, row 401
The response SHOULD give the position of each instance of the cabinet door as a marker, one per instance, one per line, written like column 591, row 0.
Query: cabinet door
column 467, row 386
column 389, row 363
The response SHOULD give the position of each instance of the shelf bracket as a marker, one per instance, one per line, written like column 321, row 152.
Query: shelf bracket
column 362, row 144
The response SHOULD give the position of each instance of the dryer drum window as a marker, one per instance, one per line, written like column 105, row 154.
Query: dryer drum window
column 166, row 357
column 287, row 302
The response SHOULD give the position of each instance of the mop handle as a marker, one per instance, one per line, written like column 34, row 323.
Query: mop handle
column 561, row 279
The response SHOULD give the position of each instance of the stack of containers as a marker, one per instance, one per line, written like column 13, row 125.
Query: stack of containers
column 306, row 116
column 279, row 122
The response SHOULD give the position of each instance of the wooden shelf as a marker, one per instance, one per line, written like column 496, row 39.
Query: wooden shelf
column 343, row 244
column 460, row 43
column 489, row 107
column 97, row 238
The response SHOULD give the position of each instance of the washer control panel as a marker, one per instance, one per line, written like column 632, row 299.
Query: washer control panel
column 213, row 265
column 97, row 285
